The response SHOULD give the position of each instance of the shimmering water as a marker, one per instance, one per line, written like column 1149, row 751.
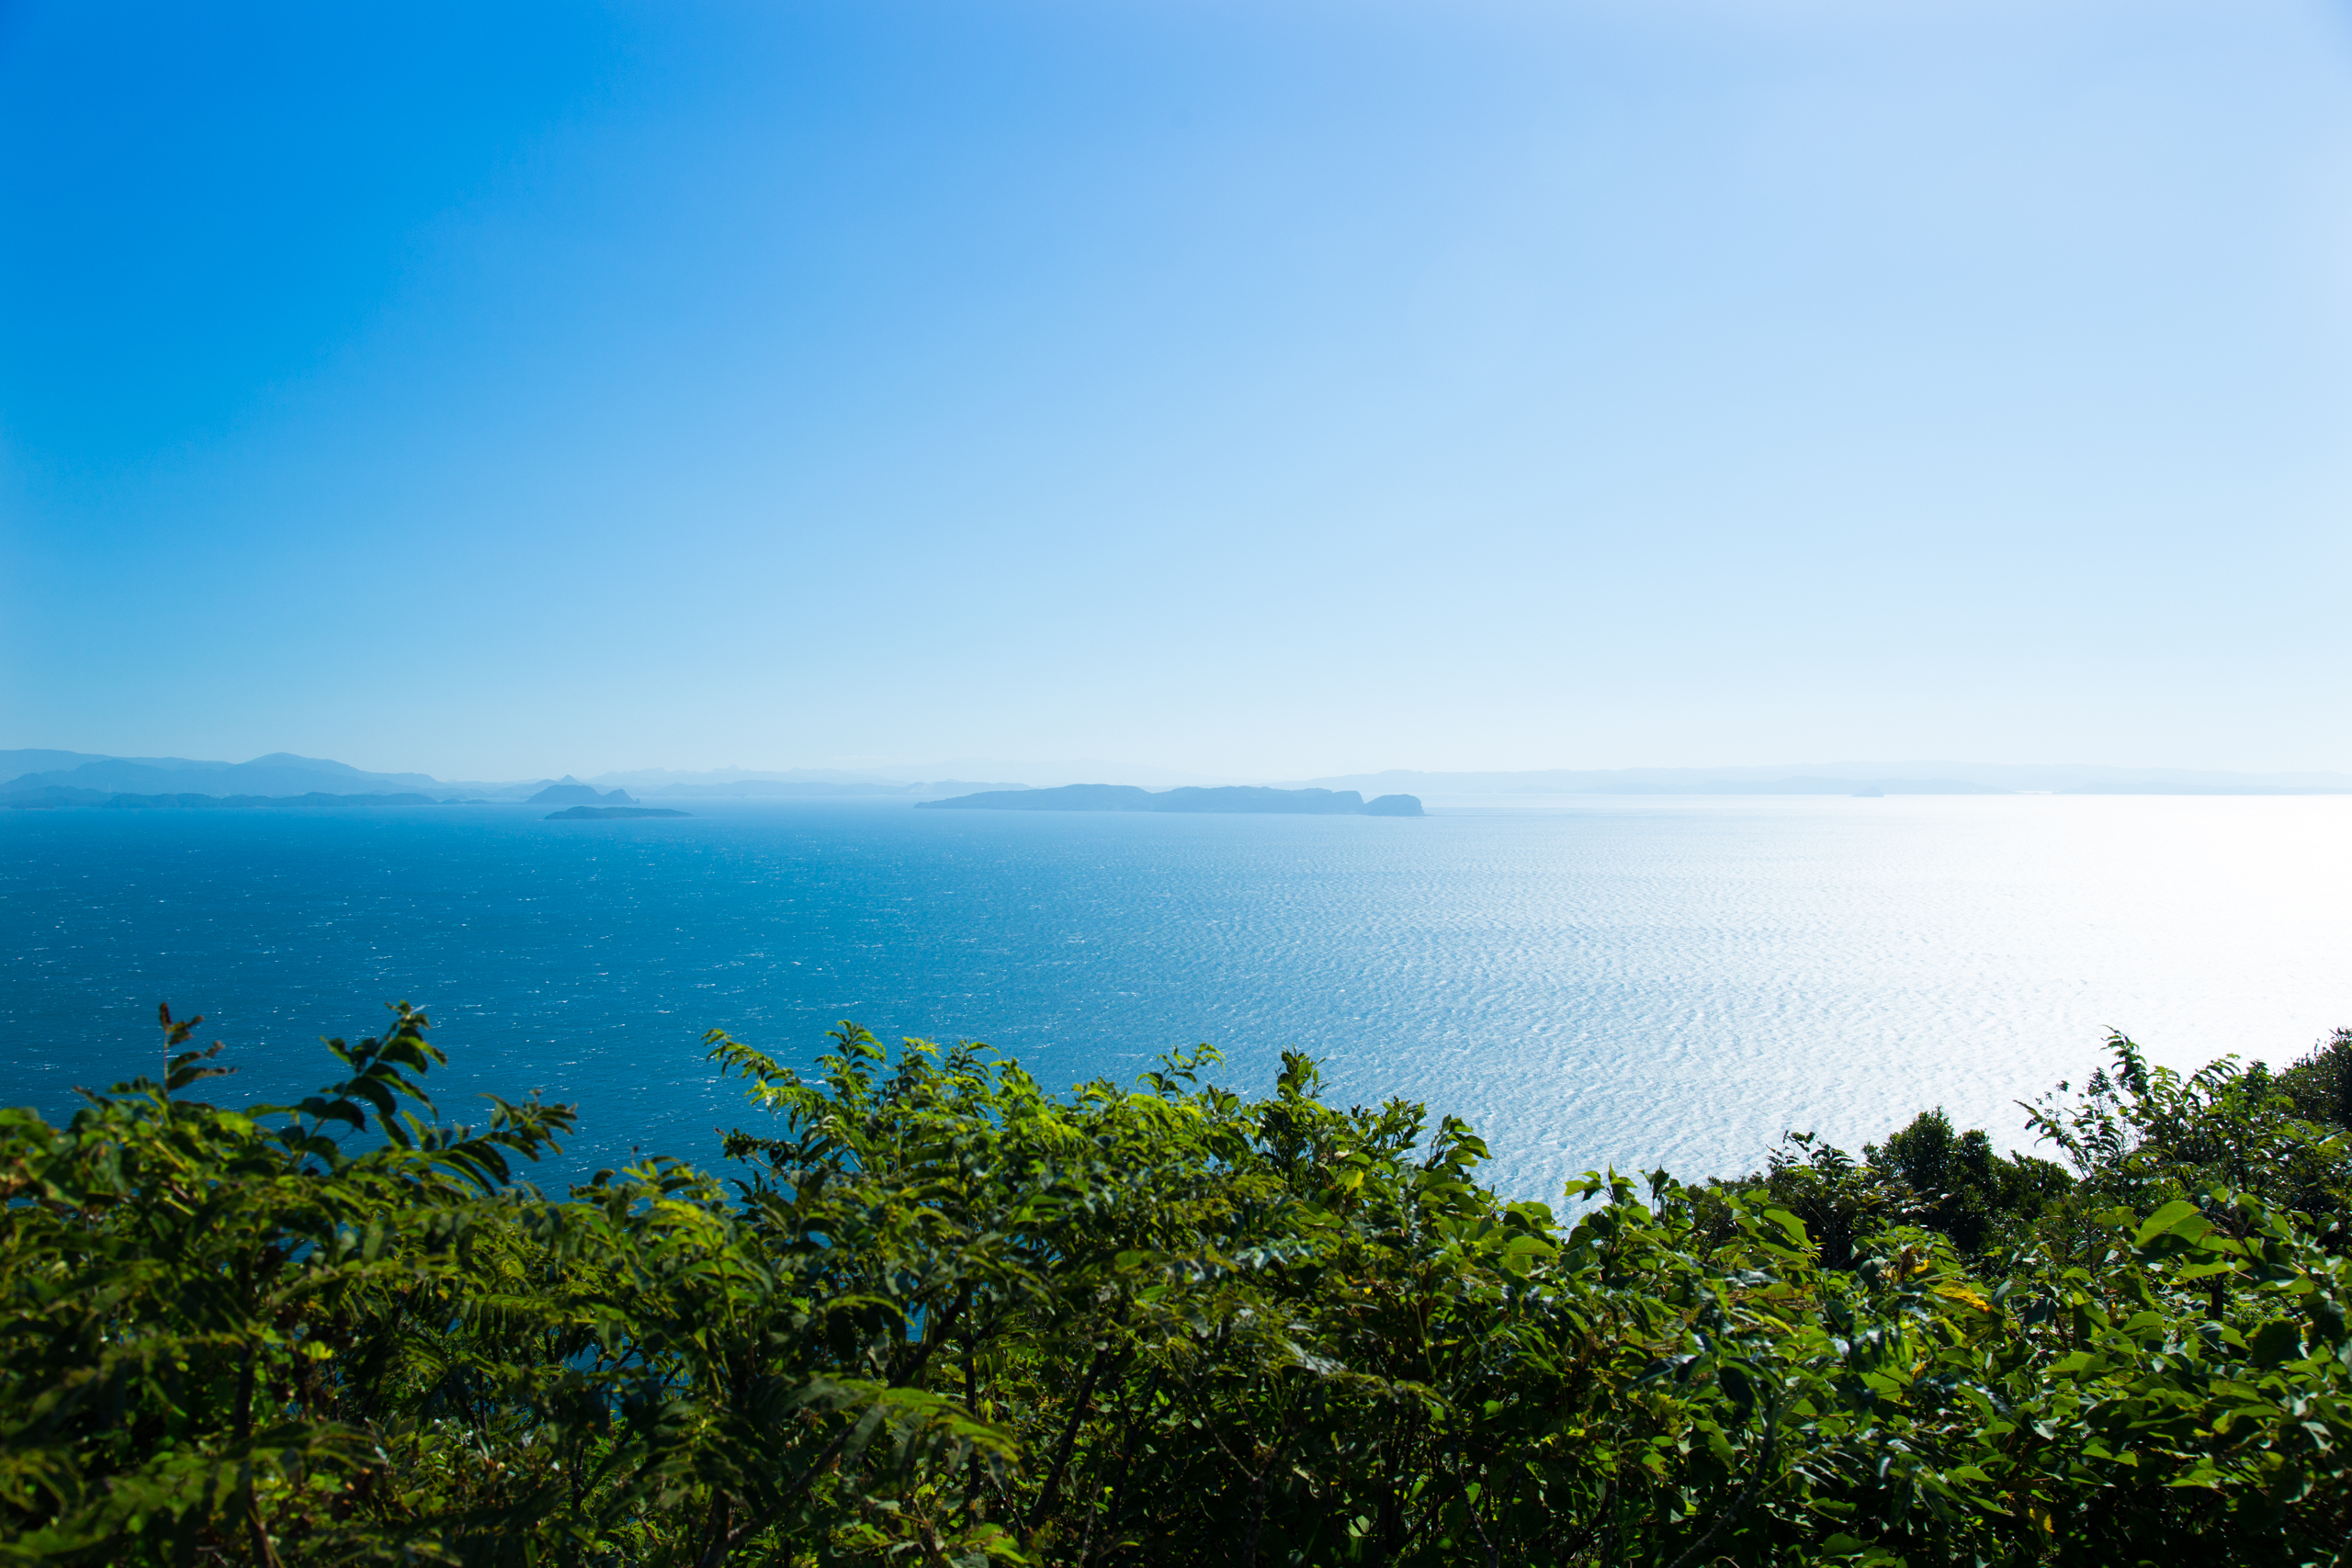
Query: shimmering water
column 1589, row 981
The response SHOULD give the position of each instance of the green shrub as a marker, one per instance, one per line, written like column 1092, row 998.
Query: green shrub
column 938, row 1315
column 2319, row 1084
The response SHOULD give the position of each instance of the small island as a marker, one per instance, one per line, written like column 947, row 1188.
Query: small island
column 1232, row 798
column 587, row 813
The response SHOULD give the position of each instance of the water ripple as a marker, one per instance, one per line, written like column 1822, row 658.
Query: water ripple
column 1602, row 981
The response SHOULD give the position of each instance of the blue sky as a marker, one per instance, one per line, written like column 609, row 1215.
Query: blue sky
column 1264, row 389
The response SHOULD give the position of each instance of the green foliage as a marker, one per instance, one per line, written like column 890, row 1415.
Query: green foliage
column 2144, row 1135
column 2319, row 1084
column 936, row 1315
column 1954, row 1183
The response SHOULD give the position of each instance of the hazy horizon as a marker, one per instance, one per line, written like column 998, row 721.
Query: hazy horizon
column 1268, row 390
column 1047, row 773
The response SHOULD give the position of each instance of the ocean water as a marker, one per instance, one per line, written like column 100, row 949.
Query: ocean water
column 1590, row 981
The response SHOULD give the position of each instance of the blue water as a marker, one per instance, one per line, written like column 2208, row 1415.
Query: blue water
column 1589, row 981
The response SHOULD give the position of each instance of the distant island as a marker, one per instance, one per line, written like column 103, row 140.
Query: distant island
column 586, row 813
column 1234, row 799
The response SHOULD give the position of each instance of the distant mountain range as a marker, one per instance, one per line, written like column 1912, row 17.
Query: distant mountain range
column 584, row 796
column 36, row 778
column 50, row 778
column 279, row 773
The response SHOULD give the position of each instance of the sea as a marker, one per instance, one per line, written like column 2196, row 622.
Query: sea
column 1590, row 981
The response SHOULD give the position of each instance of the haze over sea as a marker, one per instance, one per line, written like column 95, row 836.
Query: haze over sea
column 1588, row 980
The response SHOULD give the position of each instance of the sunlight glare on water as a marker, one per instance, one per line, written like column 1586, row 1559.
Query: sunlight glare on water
column 1588, row 980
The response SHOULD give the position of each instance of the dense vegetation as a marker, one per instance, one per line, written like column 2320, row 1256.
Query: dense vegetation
column 936, row 1315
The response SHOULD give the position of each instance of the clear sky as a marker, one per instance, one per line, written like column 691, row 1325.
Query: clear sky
column 1265, row 389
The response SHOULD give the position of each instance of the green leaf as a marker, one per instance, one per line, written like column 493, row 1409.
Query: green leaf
column 2177, row 1217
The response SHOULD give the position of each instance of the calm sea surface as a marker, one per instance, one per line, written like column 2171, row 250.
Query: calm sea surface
column 1587, row 980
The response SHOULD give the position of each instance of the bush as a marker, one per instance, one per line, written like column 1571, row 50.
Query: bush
column 2319, row 1084
column 937, row 1315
